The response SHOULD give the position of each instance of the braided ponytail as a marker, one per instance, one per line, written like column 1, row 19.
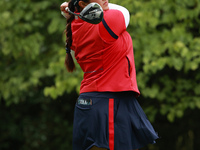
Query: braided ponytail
column 69, row 62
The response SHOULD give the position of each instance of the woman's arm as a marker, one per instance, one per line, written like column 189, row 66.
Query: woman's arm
column 112, row 25
column 124, row 11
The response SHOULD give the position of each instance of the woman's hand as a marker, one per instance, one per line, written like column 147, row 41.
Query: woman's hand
column 63, row 10
column 63, row 6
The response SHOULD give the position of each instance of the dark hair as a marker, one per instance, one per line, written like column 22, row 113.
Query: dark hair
column 69, row 62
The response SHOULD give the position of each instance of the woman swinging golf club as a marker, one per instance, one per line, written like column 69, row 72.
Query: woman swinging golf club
column 107, row 115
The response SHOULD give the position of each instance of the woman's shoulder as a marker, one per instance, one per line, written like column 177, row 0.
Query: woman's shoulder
column 113, row 14
column 112, row 25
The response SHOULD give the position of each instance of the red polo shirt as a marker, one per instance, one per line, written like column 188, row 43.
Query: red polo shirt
column 105, row 54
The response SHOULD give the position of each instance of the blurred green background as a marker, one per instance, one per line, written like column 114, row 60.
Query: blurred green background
column 37, row 94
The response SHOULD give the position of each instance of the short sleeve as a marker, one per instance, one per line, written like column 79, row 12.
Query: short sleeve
column 112, row 25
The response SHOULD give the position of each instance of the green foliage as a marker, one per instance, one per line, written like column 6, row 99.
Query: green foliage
column 32, row 49
column 166, row 39
column 167, row 53
column 39, row 123
column 166, row 42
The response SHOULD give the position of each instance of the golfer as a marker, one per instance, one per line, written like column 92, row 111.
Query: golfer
column 107, row 115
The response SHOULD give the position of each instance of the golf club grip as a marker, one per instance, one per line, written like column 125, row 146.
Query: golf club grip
column 67, row 9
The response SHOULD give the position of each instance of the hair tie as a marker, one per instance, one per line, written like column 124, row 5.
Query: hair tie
column 68, row 50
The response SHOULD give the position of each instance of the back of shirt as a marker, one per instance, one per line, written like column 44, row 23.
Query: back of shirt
column 105, row 54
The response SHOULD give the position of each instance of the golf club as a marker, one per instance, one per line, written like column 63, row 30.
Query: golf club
column 92, row 13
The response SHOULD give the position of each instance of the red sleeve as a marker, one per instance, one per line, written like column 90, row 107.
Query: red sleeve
column 112, row 25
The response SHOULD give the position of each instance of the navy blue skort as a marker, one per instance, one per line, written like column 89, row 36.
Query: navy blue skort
column 111, row 120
